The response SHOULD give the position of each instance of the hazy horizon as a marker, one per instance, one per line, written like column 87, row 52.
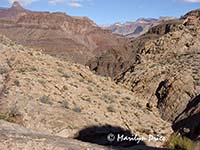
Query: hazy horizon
column 111, row 11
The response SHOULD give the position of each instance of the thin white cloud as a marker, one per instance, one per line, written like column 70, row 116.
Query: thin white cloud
column 75, row 4
column 56, row 2
column 191, row 1
column 23, row 2
column 71, row 3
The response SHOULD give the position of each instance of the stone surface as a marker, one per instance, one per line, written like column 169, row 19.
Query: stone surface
column 188, row 122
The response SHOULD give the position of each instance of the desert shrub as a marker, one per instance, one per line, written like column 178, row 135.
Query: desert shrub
column 177, row 142
column 14, row 111
column 65, row 88
column 32, row 69
column 12, row 115
column 16, row 82
column 42, row 82
column 77, row 109
column 108, row 98
column 90, row 89
column 126, row 98
column 66, row 76
column 111, row 109
column 3, row 116
column 86, row 98
column 60, row 70
column 65, row 104
column 3, row 70
column 22, row 70
column 118, row 92
column 45, row 99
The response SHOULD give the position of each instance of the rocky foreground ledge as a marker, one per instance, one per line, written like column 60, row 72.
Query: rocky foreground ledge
column 16, row 137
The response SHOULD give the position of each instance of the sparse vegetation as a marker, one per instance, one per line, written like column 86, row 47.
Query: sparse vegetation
column 3, row 116
column 42, row 82
column 22, row 70
column 12, row 115
column 45, row 99
column 66, row 76
column 90, row 89
column 3, row 70
column 111, row 108
column 17, row 83
column 177, row 142
column 65, row 88
column 65, row 104
column 127, row 98
column 108, row 98
column 77, row 109
column 86, row 98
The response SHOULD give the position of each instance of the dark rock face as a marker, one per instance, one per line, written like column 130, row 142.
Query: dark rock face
column 165, row 27
column 112, row 62
column 169, row 95
column 188, row 122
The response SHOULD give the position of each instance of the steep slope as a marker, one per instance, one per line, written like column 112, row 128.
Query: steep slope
column 167, row 76
column 61, row 98
column 137, row 28
column 71, row 38
column 112, row 62
column 188, row 122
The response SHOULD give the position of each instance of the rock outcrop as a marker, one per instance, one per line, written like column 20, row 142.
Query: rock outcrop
column 188, row 122
column 16, row 137
column 112, row 62
column 167, row 75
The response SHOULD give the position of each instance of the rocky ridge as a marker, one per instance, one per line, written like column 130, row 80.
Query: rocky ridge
column 137, row 28
column 72, row 38
column 167, row 75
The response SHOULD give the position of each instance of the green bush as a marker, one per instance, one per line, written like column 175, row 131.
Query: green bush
column 3, row 116
column 177, row 142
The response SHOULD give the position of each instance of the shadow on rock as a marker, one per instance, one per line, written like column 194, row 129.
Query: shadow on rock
column 109, row 136
column 114, row 137
column 188, row 122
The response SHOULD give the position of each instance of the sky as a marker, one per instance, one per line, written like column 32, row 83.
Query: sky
column 111, row 11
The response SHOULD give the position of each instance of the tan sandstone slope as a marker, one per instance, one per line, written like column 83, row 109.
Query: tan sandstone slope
column 43, row 93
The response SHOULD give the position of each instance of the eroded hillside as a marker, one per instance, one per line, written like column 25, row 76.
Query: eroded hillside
column 71, row 38
column 167, row 75
column 46, row 94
